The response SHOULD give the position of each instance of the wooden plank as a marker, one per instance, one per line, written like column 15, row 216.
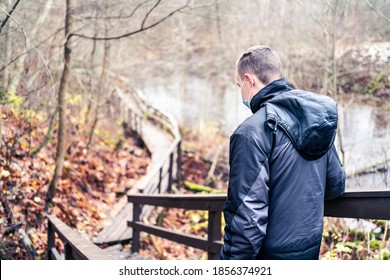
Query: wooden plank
column 81, row 247
column 160, row 144
column 118, row 252
column 214, row 231
column 187, row 239
column 117, row 231
column 366, row 193
column 50, row 240
column 137, row 209
column 160, row 156
column 357, row 206
column 189, row 202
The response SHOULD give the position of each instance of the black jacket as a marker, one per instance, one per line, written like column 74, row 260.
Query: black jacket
column 283, row 164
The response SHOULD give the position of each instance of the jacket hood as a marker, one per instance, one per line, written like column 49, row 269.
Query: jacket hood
column 308, row 119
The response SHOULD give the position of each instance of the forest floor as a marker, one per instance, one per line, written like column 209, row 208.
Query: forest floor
column 95, row 178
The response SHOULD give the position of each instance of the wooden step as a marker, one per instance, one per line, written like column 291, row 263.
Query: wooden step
column 117, row 231
column 118, row 252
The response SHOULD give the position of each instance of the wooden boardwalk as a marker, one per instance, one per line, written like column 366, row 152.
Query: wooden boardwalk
column 157, row 142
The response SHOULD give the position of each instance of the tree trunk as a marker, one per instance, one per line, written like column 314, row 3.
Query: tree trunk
column 7, row 54
column 325, row 78
column 92, row 75
column 218, row 22
column 334, row 39
column 61, row 110
column 102, row 80
column 6, row 73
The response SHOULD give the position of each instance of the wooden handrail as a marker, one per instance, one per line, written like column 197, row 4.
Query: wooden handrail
column 149, row 184
column 353, row 204
column 76, row 247
column 212, row 203
column 360, row 204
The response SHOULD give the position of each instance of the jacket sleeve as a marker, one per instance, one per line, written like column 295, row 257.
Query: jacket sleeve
column 246, row 207
column 335, row 177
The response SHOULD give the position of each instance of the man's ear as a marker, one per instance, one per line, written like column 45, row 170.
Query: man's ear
column 250, row 79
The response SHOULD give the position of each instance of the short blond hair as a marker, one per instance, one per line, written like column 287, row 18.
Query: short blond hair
column 261, row 61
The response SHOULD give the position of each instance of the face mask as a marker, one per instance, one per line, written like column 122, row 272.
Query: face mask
column 246, row 102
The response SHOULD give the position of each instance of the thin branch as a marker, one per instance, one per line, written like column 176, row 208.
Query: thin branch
column 34, row 47
column 377, row 12
column 120, row 16
column 19, row 25
column 141, row 29
column 3, row 23
column 26, row 40
column 149, row 12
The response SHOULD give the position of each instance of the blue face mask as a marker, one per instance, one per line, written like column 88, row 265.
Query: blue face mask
column 246, row 102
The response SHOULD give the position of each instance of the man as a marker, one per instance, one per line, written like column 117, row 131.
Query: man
column 283, row 164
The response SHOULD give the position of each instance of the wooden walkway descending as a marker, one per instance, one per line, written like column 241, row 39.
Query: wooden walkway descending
column 158, row 141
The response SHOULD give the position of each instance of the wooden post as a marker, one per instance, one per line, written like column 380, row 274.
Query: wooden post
column 69, row 252
column 214, row 233
column 50, row 240
column 160, row 179
column 170, row 172
column 178, row 164
column 137, row 208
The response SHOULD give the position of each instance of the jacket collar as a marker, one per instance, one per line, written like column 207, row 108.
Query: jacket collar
column 269, row 91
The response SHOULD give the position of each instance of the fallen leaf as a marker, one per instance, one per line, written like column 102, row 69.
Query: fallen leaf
column 5, row 173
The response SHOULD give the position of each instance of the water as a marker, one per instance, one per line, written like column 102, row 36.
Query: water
column 366, row 140
column 201, row 104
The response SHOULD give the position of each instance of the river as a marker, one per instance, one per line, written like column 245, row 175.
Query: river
column 197, row 103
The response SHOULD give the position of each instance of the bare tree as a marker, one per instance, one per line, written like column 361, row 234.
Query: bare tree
column 103, row 77
column 62, row 107
column 8, row 16
column 19, row 64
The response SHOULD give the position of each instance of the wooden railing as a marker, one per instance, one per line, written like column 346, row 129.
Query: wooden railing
column 366, row 205
column 162, row 172
column 163, row 119
column 170, row 162
column 75, row 247
column 360, row 205
column 212, row 203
